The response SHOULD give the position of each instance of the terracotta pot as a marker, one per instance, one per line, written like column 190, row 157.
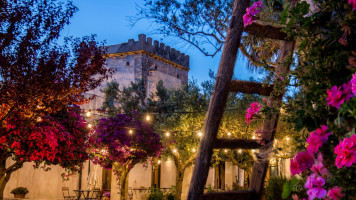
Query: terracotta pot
column 19, row 195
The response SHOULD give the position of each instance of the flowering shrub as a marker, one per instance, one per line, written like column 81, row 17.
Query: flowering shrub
column 251, row 12
column 60, row 139
column 250, row 113
column 106, row 194
column 124, row 140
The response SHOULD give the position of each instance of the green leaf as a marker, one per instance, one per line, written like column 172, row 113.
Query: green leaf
column 284, row 15
column 288, row 186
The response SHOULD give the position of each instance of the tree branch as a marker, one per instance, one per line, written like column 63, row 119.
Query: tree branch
column 190, row 160
column 235, row 162
column 254, row 61
column 266, row 31
column 17, row 165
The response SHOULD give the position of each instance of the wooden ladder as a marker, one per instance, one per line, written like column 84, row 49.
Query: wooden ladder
column 223, row 86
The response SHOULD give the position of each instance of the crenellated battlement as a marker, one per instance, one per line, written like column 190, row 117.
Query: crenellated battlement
column 156, row 48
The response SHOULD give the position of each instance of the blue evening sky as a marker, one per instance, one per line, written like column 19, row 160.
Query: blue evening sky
column 108, row 20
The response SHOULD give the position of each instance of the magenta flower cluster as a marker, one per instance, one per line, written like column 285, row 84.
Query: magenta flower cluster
column 338, row 95
column 346, row 152
column 250, row 113
column 249, row 17
column 125, row 140
column 317, row 139
column 301, row 162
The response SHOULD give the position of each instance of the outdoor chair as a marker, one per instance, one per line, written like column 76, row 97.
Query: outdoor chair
column 130, row 193
column 66, row 196
column 95, row 195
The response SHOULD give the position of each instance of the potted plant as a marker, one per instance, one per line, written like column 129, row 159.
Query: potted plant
column 106, row 196
column 19, row 192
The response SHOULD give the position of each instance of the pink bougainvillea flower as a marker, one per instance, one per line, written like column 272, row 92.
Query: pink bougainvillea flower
column 346, row 152
column 335, row 193
column 353, row 3
column 251, row 12
column 338, row 95
column 322, row 132
column 353, row 83
column 301, row 162
column 254, row 108
column 314, row 142
column 335, row 97
column 319, row 168
column 315, row 184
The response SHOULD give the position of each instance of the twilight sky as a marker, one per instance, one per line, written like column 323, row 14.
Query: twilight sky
column 108, row 20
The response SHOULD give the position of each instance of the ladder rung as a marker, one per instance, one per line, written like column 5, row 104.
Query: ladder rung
column 221, row 143
column 250, row 87
column 233, row 195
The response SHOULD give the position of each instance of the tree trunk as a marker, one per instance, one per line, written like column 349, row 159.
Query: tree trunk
column 4, row 178
column 124, row 184
column 218, row 100
column 179, row 184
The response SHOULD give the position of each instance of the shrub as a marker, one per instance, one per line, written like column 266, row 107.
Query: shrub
column 19, row 190
column 274, row 188
column 170, row 195
column 156, row 194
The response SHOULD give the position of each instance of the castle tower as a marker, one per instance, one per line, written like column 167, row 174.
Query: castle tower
column 142, row 59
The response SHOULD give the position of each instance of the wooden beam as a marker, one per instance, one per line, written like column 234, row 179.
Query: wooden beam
column 266, row 31
column 232, row 195
column 250, row 87
column 224, row 143
column 218, row 100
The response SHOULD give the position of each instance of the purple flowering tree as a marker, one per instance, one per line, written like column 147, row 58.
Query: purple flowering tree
column 121, row 142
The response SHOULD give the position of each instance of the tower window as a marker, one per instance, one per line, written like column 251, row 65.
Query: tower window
column 177, row 75
column 127, row 63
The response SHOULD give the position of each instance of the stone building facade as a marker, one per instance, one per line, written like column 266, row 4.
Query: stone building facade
column 132, row 61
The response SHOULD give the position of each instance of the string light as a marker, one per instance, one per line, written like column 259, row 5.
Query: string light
column 39, row 119
column 148, row 118
column 240, row 151
column 88, row 114
column 167, row 134
column 159, row 161
column 90, row 125
column 130, row 131
column 200, row 134
column 193, row 150
column 253, row 150
column 228, row 133
column 287, row 138
column 174, row 150
column 253, row 137
column 225, row 150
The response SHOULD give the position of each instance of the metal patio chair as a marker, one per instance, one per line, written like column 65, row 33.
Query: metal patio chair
column 66, row 195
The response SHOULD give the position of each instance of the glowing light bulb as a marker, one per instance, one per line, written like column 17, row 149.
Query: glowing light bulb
column 174, row 150
column 200, row 134
column 287, row 138
column 148, row 118
column 240, row 151
column 88, row 114
column 90, row 125
column 167, row 134
column 159, row 161
column 39, row 119
column 130, row 131
column 194, row 150
column 253, row 150
column 253, row 137
column 225, row 150
column 228, row 133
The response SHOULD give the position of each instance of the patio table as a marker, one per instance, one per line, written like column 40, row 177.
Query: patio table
column 84, row 193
